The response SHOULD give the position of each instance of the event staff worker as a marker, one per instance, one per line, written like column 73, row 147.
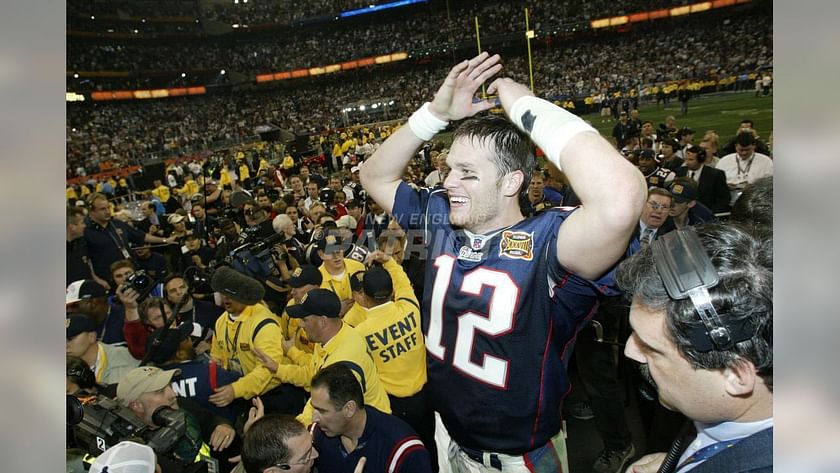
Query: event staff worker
column 724, row 384
column 392, row 331
column 505, row 294
column 109, row 239
column 335, row 342
column 245, row 326
column 336, row 269
column 345, row 429
column 145, row 389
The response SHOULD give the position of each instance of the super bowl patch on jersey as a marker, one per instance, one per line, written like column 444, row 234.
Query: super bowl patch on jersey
column 517, row 245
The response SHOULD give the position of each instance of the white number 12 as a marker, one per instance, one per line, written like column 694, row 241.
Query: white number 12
column 492, row 370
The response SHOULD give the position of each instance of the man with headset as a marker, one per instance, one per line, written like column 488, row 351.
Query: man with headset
column 702, row 319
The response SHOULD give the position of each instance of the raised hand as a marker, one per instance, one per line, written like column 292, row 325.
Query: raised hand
column 454, row 99
column 508, row 90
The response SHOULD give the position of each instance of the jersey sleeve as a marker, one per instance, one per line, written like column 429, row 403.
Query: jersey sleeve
column 410, row 206
column 402, row 285
column 566, row 281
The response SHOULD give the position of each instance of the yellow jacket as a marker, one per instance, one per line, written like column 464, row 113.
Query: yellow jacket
column 394, row 337
column 233, row 346
column 162, row 193
column 190, row 188
column 346, row 346
column 341, row 287
column 292, row 330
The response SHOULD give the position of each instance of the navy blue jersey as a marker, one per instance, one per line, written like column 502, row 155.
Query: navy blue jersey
column 388, row 443
column 499, row 317
column 198, row 379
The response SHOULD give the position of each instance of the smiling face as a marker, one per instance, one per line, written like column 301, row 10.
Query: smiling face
column 473, row 185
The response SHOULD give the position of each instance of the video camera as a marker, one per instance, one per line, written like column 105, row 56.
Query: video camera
column 99, row 423
column 142, row 283
column 253, row 258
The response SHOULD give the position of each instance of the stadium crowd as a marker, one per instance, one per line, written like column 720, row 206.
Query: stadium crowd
column 125, row 132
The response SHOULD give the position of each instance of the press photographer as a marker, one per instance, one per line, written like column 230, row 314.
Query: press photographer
column 206, row 438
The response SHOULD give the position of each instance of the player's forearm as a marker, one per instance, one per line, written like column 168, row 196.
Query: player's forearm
column 381, row 173
column 606, row 183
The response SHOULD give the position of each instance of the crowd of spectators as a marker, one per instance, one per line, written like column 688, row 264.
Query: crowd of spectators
column 608, row 62
column 330, row 42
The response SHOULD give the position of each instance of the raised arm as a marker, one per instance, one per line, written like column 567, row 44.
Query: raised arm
column 382, row 172
column 611, row 190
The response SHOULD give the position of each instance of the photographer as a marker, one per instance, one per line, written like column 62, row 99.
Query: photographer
column 146, row 390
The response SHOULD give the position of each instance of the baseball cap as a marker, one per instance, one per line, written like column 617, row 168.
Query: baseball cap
column 377, row 283
column 305, row 274
column 330, row 243
column 647, row 154
column 78, row 323
column 225, row 222
column 141, row 380
column 317, row 302
column 346, row 221
column 83, row 289
column 125, row 457
column 354, row 169
column 356, row 281
column 175, row 218
column 170, row 341
column 683, row 192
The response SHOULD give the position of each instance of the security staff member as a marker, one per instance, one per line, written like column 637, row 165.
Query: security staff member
column 394, row 337
column 248, row 325
column 335, row 342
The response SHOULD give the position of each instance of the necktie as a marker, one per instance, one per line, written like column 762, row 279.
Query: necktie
column 704, row 453
column 647, row 234
column 691, row 175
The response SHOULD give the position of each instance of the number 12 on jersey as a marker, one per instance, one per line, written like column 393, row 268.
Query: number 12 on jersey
column 504, row 295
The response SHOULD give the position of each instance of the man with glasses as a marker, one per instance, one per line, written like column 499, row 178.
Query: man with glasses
column 654, row 213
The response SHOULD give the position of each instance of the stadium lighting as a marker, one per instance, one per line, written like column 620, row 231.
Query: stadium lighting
column 183, row 74
column 222, row 72
column 374, row 105
column 136, row 31
column 92, row 17
column 76, row 75
column 362, row 108
column 235, row 25
column 143, row 20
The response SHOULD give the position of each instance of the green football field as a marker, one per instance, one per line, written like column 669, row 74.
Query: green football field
column 721, row 112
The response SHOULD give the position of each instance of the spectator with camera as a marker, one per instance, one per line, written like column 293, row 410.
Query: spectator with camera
column 205, row 439
column 89, row 298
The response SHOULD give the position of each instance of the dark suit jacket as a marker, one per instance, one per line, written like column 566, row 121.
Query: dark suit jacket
column 754, row 454
column 712, row 190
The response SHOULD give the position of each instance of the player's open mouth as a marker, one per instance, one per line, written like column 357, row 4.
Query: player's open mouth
column 458, row 201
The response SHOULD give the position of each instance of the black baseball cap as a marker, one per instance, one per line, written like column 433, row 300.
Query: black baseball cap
column 319, row 302
column 78, row 323
column 356, row 280
column 647, row 154
column 306, row 274
column 377, row 283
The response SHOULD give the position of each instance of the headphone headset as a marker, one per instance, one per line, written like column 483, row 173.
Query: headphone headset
column 169, row 279
column 81, row 375
column 688, row 272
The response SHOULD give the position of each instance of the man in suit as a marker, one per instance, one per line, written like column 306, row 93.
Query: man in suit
column 712, row 190
column 723, row 382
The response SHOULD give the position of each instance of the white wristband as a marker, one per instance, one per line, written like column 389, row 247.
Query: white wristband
column 424, row 124
column 550, row 126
